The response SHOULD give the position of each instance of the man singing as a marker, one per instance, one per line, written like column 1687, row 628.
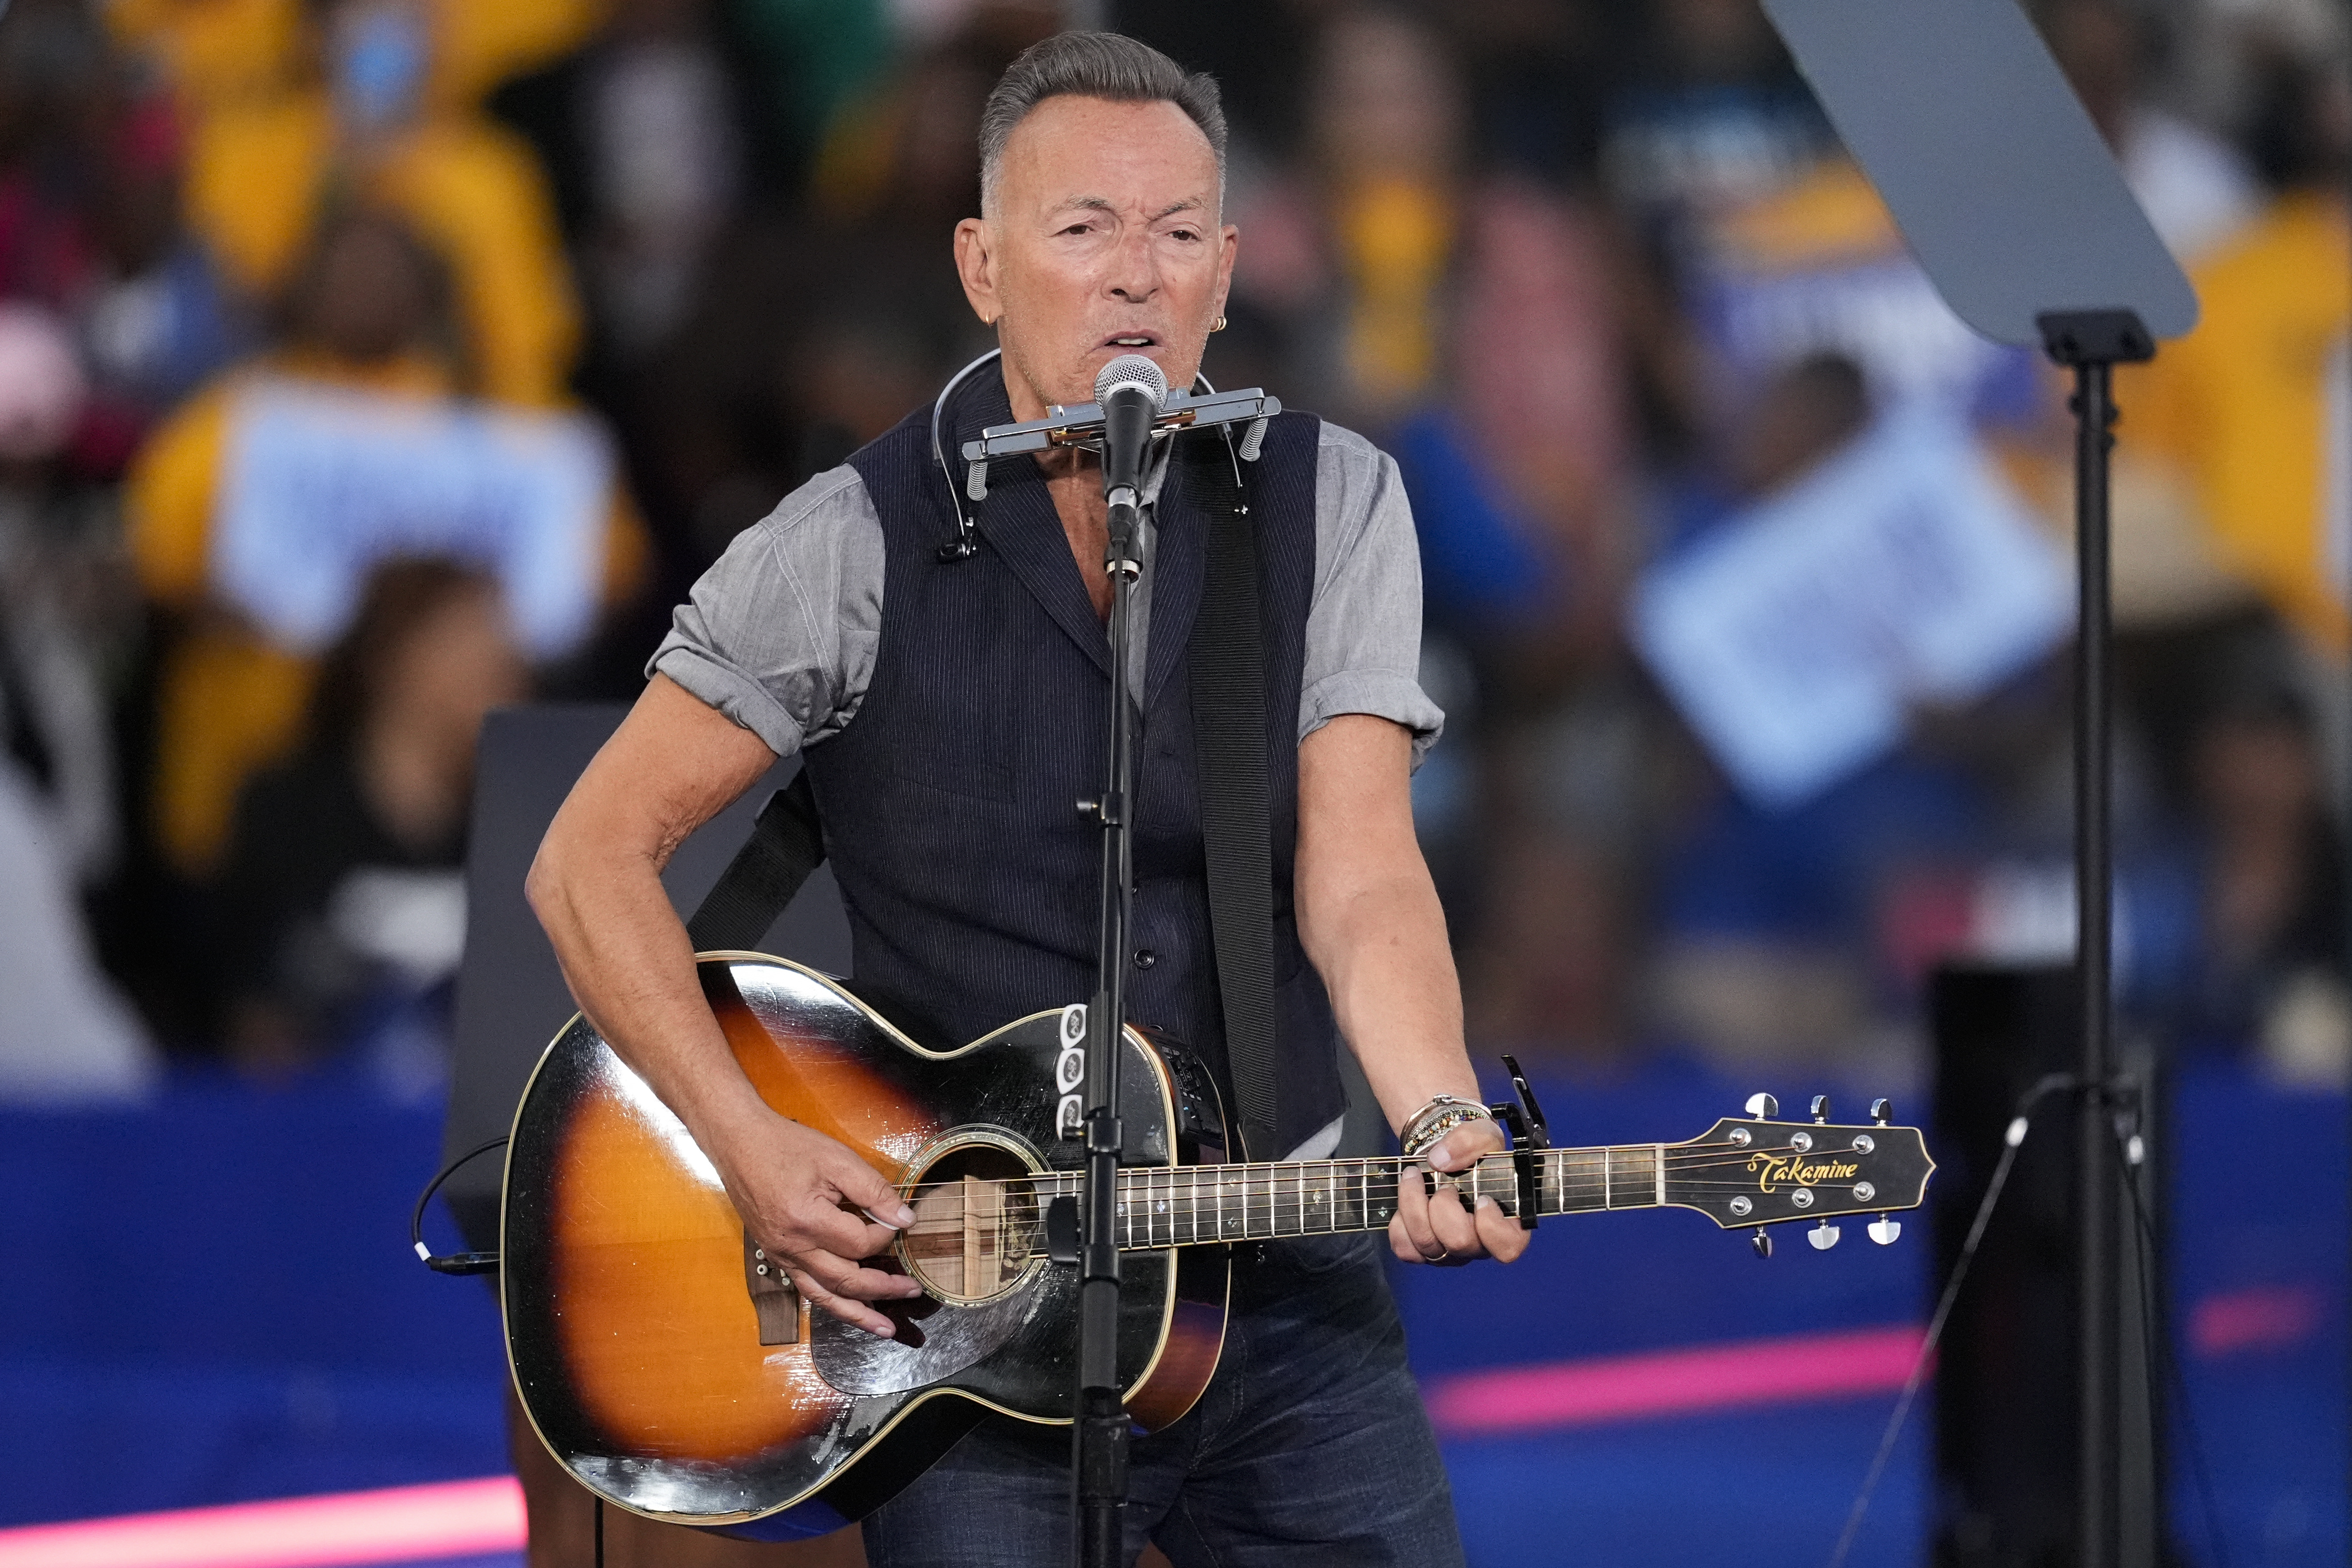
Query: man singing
column 950, row 710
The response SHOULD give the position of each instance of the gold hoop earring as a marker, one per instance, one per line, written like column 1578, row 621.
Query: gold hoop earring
column 1218, row 325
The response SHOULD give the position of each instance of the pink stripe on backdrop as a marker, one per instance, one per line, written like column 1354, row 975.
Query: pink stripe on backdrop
column 2263, row 1318
column 1668, row 1382
column 401, row 1524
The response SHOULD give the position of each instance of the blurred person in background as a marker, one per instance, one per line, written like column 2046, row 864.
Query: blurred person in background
column 89, row 226
column 52, row 90
column 342, row 896
column 214, row 54
column 1470, row 314
column 2252, row 406
column 1762, row 943
column 368, row 333
column 356, row 121
column 65, row 1034
column 2277, row 967
column 640, row 132
column 1710, row 115
column 2196, row 188
column 159, row 320
column 816, row 323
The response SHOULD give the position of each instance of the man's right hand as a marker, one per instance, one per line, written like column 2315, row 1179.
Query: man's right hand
column 802, row 1195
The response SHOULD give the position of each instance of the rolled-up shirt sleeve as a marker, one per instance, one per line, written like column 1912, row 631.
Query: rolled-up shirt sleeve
column 780, row 635
column 1363, row 624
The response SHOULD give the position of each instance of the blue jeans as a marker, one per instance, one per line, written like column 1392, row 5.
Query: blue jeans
column 1310, row 1446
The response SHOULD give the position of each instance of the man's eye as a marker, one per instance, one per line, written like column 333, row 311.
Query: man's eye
column 1079, row 228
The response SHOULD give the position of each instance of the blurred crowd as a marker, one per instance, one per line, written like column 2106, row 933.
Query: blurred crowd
column 366, row 364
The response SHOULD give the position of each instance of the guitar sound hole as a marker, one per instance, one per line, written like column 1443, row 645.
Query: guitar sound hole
column 975, row 1224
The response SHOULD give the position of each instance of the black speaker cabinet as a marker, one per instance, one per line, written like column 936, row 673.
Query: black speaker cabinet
column 2006, row 1390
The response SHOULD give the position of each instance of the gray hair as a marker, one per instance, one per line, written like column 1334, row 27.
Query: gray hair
column 1094, row 65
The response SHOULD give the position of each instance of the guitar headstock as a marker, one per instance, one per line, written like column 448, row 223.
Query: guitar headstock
column 1755, row 1170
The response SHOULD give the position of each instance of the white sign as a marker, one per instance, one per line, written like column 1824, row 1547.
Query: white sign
column 323, row 484
column 1900, row 570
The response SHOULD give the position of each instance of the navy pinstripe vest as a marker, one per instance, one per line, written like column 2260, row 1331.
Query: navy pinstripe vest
column 972, row 883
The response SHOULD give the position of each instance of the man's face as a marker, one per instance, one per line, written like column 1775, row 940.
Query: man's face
column 1104, row 241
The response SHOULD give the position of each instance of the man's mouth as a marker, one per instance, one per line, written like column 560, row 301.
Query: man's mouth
column 1132, row 340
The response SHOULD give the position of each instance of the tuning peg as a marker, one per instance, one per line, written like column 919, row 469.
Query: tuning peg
column 1761, row 1240
column 1820, row 1108
column 1881, row 1111
column 1763, row 1107
column 1823, row 1235
column 1883, row 1230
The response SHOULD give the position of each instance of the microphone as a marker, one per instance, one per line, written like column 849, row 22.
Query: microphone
column 1129, row 391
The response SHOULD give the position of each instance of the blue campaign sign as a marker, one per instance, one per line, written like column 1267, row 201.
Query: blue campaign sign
column 1900, row 570
column 323, row 484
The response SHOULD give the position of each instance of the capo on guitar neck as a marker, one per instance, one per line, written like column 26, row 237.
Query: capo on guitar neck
column 1523, row 1122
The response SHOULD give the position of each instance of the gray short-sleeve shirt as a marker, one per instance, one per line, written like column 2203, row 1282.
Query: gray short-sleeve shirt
column 781, row 633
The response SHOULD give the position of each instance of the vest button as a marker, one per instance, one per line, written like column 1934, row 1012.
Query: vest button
column 1145, row 958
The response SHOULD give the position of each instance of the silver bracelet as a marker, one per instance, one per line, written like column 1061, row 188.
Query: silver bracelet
column 1434, row 1120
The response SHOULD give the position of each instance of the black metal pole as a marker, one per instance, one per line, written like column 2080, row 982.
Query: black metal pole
column 1098, row 1444
column 2098, row 1520
column 2093, row 342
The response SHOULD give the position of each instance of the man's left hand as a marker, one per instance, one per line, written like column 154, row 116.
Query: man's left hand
column 1438, row 1229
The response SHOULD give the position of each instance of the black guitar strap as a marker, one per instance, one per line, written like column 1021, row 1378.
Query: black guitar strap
column 1226, row 667
column 786, row 846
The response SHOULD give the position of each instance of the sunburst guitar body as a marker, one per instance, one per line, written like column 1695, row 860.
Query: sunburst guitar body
column 636, row 1310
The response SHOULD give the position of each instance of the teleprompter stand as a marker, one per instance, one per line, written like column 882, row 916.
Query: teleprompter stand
column 2016, row 210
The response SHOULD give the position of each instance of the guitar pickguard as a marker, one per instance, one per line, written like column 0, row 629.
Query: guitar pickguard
column 935, row 1341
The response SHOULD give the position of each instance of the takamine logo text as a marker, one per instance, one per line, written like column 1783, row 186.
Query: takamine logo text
column 1772, row 1171
column 1069, row 1071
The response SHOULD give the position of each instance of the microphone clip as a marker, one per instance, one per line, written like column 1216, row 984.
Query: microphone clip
column 1081, row 425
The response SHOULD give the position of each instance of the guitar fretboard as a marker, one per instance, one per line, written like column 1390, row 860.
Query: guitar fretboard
column 1182, row 1206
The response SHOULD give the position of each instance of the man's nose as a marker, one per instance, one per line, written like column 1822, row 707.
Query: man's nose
column 1134, row 274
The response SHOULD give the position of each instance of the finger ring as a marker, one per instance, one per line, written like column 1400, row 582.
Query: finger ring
column 1440, row 1255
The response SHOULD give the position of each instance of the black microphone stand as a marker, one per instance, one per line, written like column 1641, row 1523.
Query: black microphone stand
column 1099, row 1443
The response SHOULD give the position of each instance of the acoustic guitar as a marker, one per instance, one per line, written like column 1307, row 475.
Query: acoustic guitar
column 670, row 1368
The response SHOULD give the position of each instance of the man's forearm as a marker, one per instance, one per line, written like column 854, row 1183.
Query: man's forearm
column 625, row 955
column 596, row 888
column 1369, row 915
column 1384, row 960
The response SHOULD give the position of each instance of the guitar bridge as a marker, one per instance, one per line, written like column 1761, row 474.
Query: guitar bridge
column 772, row 1296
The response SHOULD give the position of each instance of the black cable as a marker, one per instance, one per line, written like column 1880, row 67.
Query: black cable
column 598, row 1502
column 2163, row 1367
column 2011, row 1141
column 451, row 1262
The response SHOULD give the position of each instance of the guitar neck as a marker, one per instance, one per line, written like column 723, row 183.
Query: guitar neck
column 1181, row 1206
